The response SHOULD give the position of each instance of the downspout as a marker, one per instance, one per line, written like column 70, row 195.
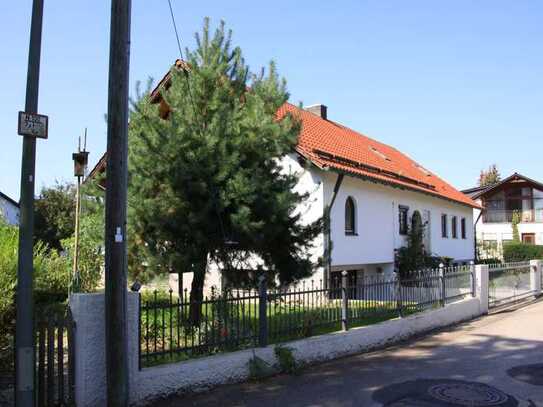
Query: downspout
column 328, row 233
column 475, row 235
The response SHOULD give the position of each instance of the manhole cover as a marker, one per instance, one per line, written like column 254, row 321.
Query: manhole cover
column 532, row 374
column 468, row 394
column 442, row 393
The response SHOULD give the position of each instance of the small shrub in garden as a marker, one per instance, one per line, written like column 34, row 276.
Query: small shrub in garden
column 287, row 362
column 513, row 252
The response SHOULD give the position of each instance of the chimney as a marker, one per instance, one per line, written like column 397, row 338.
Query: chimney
column 319, row 110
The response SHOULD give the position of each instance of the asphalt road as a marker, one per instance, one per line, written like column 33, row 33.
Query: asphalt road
column 483, row 362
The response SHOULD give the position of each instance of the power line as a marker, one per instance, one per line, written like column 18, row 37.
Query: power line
column 175, row 29
column 185, row 72
column 200, row 127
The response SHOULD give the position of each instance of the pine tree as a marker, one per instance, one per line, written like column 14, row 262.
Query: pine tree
column 490, row 176
column 206, row 185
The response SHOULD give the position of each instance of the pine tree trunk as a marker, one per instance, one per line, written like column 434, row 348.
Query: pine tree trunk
column 197, row 292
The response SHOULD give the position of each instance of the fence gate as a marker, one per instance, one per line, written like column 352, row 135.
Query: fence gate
column 508, row 283
column 55, row 360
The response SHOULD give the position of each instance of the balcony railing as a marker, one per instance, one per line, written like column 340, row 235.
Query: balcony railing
column 506, row 216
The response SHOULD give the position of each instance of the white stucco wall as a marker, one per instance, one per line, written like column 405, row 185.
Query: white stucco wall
column 201, row 374
column 9, row 212
column 377, row 226
column 311, row 183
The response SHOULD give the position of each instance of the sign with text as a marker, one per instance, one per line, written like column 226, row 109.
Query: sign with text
column 33, row 125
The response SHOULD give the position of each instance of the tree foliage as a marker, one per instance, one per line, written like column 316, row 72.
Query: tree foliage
column 413, row 256
column 207, row 183
column 489, row 176
column 51, row 281
column 91, row 239
column 54, row 214
column 515, row 220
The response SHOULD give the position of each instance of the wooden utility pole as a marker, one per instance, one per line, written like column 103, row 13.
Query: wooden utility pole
column 80, row 164
column 116, row 201
column 24, row 335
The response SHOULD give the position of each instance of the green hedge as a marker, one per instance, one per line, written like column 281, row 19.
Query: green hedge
column 522, row 252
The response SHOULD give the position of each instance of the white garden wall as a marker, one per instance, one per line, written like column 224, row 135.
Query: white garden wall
column 200, row 374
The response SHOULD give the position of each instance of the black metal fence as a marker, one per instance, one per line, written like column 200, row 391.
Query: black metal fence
column 174, row 329
column 55, row 361
column 508, row 282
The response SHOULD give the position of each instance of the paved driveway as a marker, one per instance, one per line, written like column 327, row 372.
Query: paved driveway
column 486, row 362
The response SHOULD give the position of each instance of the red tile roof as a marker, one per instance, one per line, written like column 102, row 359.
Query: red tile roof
column 329, row 144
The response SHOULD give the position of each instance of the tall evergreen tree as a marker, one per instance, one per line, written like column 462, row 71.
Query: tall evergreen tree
column 206, row 184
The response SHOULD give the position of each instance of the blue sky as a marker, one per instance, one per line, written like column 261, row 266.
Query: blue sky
column 457, row 85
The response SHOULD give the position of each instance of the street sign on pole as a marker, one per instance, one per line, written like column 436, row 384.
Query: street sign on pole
column 24, row 326
column 33, row 125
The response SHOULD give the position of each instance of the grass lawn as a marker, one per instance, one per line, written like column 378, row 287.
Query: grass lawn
column 227, row 326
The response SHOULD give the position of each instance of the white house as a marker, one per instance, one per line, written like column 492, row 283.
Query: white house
column 500, row 201
column 9, row 209
column 372, row 191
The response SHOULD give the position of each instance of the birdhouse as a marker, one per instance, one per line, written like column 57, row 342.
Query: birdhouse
column 80, row 163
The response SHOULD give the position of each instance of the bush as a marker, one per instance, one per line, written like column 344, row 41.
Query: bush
column 51, row 281
column 490, row 260
column 287, row 362
column 521, row 252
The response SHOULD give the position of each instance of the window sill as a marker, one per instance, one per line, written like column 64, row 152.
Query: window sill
column 351, row 234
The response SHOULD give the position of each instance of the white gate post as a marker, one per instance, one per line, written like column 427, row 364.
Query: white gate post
column 535, row 277
column 90, row 334
column 481, row 284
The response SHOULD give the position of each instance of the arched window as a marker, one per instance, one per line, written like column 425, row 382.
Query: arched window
column 416, row 220
column 350, row 216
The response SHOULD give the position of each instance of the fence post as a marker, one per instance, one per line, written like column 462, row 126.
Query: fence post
column 472, row 269
column 398, row 288
column 442, row 281
column 262, row 314
column 481, row 281
column 344, row 301
column 535, row 277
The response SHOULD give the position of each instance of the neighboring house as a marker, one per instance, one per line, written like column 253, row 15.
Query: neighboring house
column 9, row 209
column 373, row 192
column 500, row 201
